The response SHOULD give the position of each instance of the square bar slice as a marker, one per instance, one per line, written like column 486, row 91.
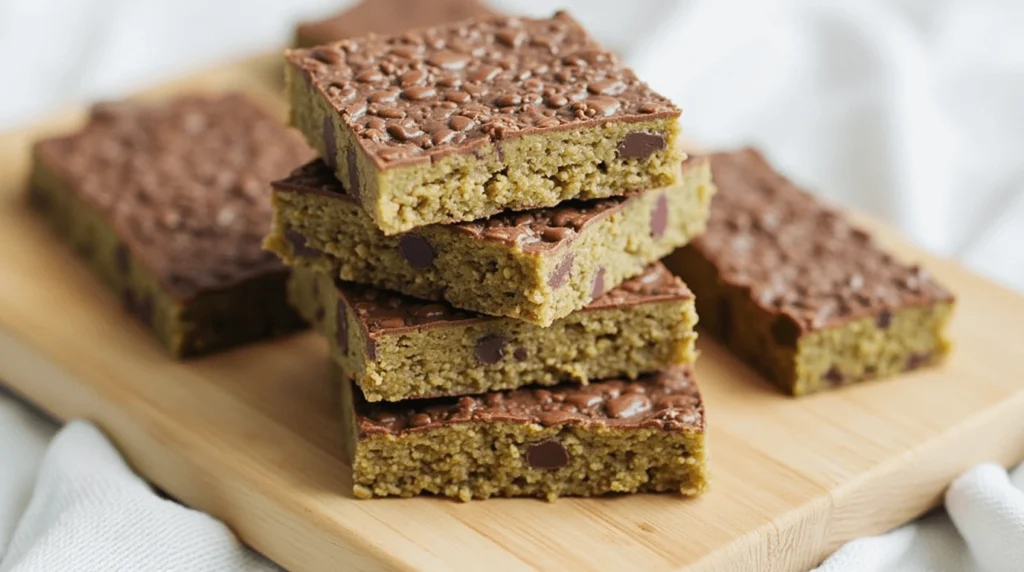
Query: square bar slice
column 387, row 17
column 396, row 347
column 169, row 204
column 460, row 122
column 799, row 293
column 536, row 266
column 612, row 436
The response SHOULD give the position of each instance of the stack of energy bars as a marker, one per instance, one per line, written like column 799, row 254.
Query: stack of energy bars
column 479, row 241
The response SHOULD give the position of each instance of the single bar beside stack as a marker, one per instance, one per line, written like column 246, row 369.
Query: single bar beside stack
column 790, row 286
column 479, row 243
column 168, row 203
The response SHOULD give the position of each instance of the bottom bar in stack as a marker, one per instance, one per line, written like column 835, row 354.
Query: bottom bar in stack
column 612, row 436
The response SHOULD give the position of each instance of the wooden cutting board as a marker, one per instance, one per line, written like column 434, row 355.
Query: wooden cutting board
column 251, row 437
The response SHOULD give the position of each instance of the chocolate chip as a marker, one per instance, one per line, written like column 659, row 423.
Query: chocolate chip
column 659, row 217
column 598, row 289
column 724, row 311
column 121, row 258
column 140, row 306
column 144, row 310
column 298, row 243
column 785, row 331
column 330, row 143
column 884, row 319
column 547, row 455
column 560, row 277
column 416, row 250
column 341, row 329
column 834, row 376
column 555, row 417
column 371, row 348
column 353, row 175
column 491, row 348
column 640, row 145
column 520, row 354
column 128, row 300
column 917, row 360
column 38, row 199
column 320, row 313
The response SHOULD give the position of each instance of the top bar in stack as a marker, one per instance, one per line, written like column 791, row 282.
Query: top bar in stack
column 460, row 122
column 794, row 289
column 387, row 17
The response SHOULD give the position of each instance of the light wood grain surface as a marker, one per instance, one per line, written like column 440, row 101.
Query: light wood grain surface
column 251, row 437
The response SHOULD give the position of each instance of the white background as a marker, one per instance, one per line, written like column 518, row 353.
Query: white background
column 910, row 109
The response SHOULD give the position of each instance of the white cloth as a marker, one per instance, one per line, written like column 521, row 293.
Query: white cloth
column 908, row 109
column 79, row 507
column 983, row 532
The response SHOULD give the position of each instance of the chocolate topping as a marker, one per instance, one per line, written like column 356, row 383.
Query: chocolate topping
column 389, row 17
column 667, row 400
column 655, row 284
column 547, row 455
column 183, row 183
column 426, row 93
column 537, row 230
column 543, row 229
column 416, row 250
column 299, row 247
column 798, row 257
column 640, row 145
column 386, row 313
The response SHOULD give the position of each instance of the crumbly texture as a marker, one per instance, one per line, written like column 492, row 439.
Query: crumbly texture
column 166, row 202
column 387, row 17
column 461, row 122
column 395, row 347
column 537, row 266
column 796, row 291
column 607, row 437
